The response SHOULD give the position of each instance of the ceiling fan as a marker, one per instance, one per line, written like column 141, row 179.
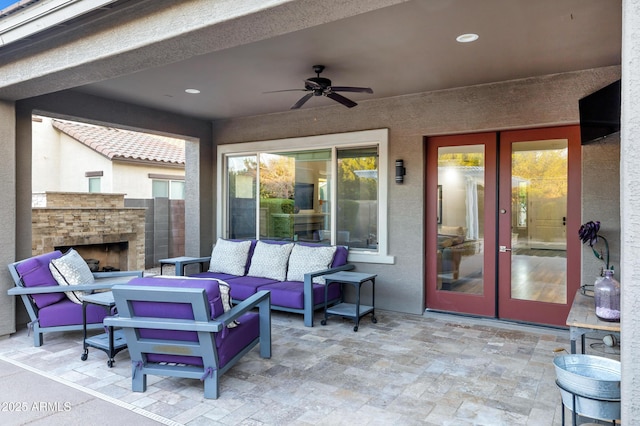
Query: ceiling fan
column 320, row 86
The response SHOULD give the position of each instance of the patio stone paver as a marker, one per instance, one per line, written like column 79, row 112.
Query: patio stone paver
column 434, row 369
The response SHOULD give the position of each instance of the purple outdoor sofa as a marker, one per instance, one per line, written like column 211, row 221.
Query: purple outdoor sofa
column 292, row 272
column 186, row 327
column 51, row 306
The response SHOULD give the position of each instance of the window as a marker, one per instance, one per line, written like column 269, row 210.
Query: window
column 331, row 193
column 94, row 179
column 166, row 188
column 94, row 184
column 160, row 188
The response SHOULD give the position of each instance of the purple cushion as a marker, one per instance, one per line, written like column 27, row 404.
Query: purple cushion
column 340, row 258
column 229, row 342
column 289, row 294
column 34, row 272
column 177, row 310
column 235, row 340
column 251, row 250
column 243, row 287
column 217, row 275
column 66, row 312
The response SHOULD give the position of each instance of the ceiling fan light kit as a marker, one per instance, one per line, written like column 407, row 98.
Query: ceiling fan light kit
column 320, row 86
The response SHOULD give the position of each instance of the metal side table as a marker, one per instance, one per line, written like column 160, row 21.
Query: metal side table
column 354, row 311
column 112, row 341
column 181, row 261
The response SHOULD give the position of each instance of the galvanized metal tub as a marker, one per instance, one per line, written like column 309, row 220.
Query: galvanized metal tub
column 589, row 375
column 594, row 380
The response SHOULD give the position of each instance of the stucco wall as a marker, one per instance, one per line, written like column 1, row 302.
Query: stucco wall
column 601, row 201
column 534, row 102
column 630, row 212
column 8, row 215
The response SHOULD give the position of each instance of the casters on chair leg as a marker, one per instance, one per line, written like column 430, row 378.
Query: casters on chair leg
column 85, row 355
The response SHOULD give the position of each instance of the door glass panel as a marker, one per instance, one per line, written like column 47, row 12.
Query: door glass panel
column 460, row 216
column 538, row 220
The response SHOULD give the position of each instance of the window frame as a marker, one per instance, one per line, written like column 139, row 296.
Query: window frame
column 378, row 137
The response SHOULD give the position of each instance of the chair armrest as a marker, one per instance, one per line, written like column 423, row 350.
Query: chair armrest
column 311, row 275
column 261, row 299
column 104, row 281
column 16, row 291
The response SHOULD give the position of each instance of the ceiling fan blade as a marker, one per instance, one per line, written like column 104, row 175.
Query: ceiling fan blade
column 339, row 98
column 302, row 100
column 352, row 89
column 286, row 90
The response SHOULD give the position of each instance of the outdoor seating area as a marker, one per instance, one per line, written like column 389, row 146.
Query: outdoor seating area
column 183, row 334
column 292, row 272
column 432, row 369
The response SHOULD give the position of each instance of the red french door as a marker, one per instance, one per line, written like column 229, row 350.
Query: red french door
column 501, row 213
column 461, row 227
column 539, row 266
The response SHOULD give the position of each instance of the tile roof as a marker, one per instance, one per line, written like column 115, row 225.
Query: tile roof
column 118, row 144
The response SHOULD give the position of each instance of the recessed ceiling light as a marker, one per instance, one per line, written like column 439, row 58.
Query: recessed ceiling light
column 192, row 91
column 467, row 38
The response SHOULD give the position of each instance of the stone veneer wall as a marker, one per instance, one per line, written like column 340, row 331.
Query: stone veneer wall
column 73, row 219
column 77, row 200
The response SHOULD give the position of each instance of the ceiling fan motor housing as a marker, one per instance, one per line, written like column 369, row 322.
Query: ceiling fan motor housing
column 324, row 83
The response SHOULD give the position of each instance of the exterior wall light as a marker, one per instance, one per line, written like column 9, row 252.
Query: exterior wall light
column 400, row 171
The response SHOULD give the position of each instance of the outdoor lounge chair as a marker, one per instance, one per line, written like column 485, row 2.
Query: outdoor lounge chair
column 45, row 300
column 179, row 328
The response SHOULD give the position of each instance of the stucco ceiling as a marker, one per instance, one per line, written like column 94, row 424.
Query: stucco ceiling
column 398, row 50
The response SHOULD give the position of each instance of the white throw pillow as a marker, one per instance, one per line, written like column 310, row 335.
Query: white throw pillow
column 71, row 269
column 229, row 257
column 225, row 295
column 306, row 259
column 270, row 261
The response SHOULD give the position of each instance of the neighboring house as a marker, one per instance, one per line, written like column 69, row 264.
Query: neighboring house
column 76, row 157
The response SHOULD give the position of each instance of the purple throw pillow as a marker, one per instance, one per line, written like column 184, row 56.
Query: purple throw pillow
column 34, row 272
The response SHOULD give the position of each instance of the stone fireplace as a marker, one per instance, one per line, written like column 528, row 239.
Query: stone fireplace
column 97, row 226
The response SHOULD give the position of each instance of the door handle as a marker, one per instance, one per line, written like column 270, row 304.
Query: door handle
column 504, row 249
column 564, row 221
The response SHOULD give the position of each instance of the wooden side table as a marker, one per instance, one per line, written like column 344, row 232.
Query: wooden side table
column 582, row 319
column 354, row 311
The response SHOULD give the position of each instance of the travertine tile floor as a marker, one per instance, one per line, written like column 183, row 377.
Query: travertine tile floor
column 434, row 369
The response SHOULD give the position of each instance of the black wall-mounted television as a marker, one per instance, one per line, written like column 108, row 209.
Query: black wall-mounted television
column 600, row 113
